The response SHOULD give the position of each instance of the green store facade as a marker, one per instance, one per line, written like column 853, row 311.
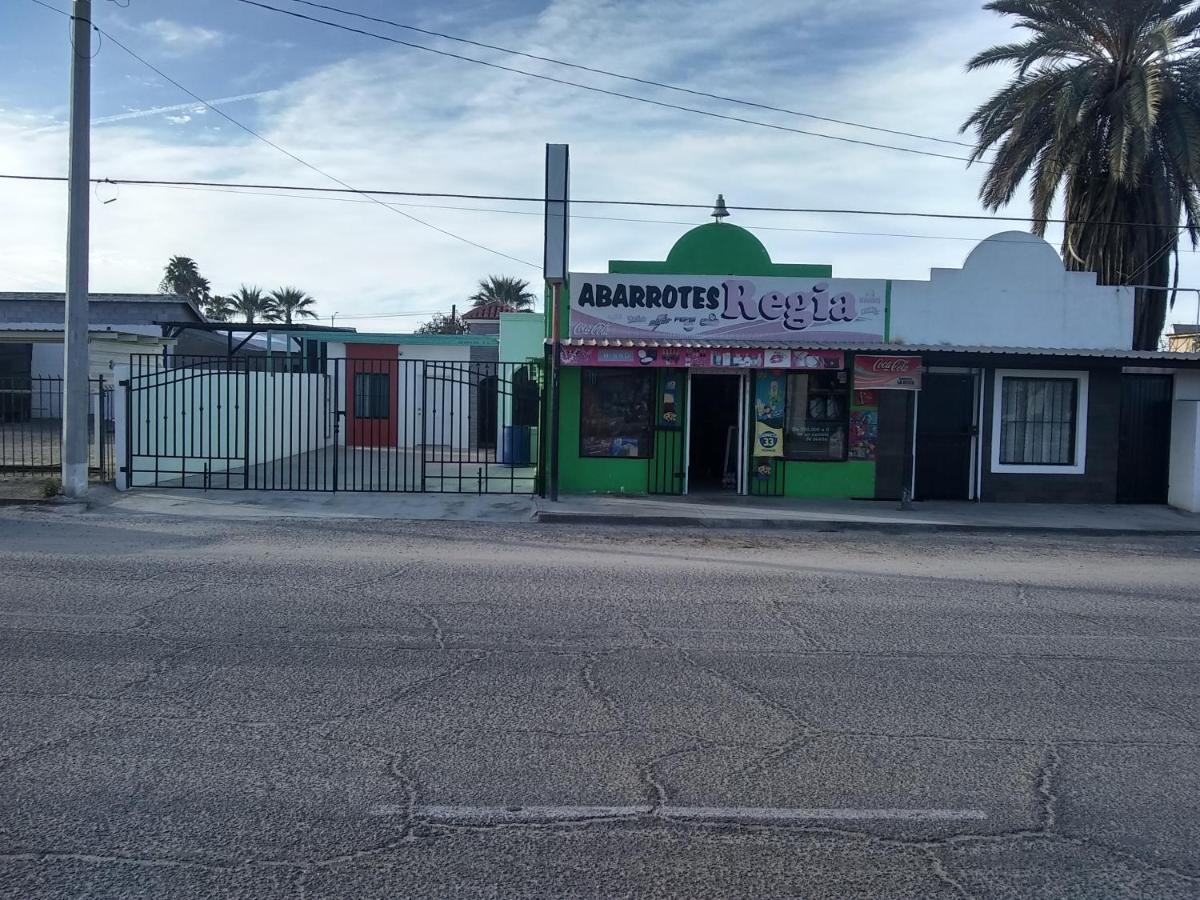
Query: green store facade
column 686, row 420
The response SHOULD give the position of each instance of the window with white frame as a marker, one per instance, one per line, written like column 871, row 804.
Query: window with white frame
column 1039, row 422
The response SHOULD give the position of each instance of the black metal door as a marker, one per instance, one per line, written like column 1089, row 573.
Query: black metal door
column 944, row 431
column 1144, row 449
column 665, row 471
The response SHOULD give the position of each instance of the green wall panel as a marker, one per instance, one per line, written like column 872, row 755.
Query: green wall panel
column 854, row 478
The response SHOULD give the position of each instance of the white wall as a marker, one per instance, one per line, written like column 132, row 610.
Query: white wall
column 441, row 415
column 337, row 373
column 1183, row 490
column 1012, row 291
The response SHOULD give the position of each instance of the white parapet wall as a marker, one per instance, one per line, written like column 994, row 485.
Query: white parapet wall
column 184, row 423
column 1183, row 491
column 1012, row 291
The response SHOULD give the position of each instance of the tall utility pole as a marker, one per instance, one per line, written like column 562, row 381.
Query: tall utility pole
column 75, row 336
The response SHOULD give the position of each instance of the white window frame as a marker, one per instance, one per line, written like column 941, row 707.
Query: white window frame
column 1081, row 408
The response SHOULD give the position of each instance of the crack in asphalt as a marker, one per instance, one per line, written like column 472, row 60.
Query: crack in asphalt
column 435, row 626
column 809, row 637
column 593, row 687
column 405, row 690
column 1052, row 761
column 729, row 681
column 938, row 865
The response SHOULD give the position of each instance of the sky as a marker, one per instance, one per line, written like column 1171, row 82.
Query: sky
column 374, row 114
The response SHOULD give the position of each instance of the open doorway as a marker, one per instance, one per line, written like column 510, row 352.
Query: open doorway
column 714, row 433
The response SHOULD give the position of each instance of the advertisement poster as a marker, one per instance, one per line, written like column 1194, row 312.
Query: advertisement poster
column 864, row 433
column 887, row 373
column 770, row 394
column 668, row 416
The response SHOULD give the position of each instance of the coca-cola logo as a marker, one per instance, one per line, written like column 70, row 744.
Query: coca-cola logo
column 891, row 364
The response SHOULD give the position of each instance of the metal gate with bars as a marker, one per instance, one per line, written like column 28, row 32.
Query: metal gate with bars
column 31, row 428
column 294, row 423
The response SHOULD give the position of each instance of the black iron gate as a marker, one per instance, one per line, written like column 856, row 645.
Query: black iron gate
column 300, row 423
column 31, row 427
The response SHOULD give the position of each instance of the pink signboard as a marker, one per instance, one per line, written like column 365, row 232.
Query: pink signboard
column 887, row 373
column 699, row 307
column 682, row 358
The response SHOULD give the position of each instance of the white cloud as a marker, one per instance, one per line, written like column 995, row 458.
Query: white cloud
column 179, row 39
column 411, row 121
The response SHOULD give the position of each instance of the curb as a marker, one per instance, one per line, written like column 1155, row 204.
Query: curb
column 11, row 502
column 832, row 525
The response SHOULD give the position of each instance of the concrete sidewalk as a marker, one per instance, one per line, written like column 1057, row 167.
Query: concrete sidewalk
column 781, row 512
column 705, row 512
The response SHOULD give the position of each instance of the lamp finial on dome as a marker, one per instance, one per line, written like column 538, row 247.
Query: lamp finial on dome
column 719, row 211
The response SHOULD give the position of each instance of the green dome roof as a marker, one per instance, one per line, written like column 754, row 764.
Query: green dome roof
column 719, row 249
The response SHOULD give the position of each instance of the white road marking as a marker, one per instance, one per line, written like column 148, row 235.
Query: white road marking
column 745, row 814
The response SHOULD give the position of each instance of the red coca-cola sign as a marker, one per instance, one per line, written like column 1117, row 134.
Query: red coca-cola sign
column 893, row 363
column 884, row 373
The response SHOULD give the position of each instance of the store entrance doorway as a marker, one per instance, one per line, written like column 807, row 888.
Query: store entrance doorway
column 714, row 434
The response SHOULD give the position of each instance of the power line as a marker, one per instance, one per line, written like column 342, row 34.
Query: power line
column 204, row 187
column 599, row 90
column 407, row 315
column 574, row 216
column 288, row 153
column 623, row 219
column 370, row 193
column 646, row 81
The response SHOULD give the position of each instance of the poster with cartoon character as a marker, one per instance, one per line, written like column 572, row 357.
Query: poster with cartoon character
column 770, row 395
column 864, row 433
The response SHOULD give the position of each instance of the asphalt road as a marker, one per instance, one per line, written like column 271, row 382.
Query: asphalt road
column 373, row 709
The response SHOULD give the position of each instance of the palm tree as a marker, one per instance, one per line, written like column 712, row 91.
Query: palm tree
column 182, row 276
column 219, row 308
column 250, row 303
column 1104, row 105
column 289, row 303
column 512, row 292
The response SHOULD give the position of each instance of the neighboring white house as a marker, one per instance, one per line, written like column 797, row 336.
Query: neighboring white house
column 31, row 330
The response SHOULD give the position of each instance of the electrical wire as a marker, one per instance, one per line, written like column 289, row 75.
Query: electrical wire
column 575, row 216
column 599, row 90
column 293, row 156
column 407, row 315
column 657, row 204
column 71, row 34
column 649, row 82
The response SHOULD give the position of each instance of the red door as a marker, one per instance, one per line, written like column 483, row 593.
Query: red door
column 372, row 394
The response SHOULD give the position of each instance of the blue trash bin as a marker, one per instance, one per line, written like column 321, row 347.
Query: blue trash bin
column 514, row 445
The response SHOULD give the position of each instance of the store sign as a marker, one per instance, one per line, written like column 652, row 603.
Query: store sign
column 730, row 308
column 887, row 373
column 770, row 392
column 680, row 358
